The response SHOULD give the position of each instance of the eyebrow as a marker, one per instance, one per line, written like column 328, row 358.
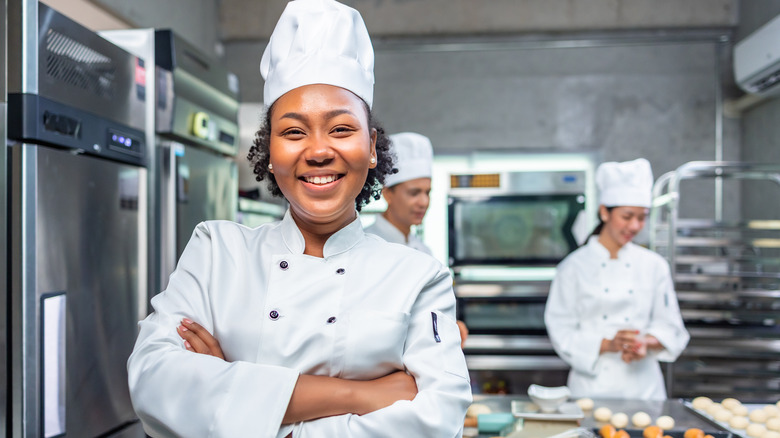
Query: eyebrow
column 329, row 115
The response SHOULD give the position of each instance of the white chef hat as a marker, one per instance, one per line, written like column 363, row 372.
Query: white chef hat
column 318, row 42
column 414, row 157
column 629, row 183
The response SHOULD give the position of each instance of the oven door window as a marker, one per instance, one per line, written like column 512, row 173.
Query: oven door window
column 512, row 230
column 505, row 316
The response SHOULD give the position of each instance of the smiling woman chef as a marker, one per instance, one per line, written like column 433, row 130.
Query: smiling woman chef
column 612, row 312
column 325, row 331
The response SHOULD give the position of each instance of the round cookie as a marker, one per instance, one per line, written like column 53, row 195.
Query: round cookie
column 641, row 419
column 602, row 414
column 701, row 403
column 773, row 424
column 758, row 416
column 738, row 422
column 585, row 404
column 619, row 420
column 771, row 434
column 714, row 407
column 665, row 422
column 755, row 430
column 772, row 411
column 730, row 403
column 740, row 410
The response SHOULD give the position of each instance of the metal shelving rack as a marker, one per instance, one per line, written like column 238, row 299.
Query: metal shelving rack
column 727, row 277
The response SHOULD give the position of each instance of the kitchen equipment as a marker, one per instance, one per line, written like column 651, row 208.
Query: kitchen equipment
column 506, row 232
column 195, row 113
column 562, row 411
column 548, row 399
column 78, row 230
column 726, row 276
column 3, row 218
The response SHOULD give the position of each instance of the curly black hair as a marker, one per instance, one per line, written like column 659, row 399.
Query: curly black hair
column 259, row 157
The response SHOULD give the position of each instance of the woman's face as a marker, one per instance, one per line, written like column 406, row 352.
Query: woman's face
column 408, row 201
column 321, row 150
column 622, row 224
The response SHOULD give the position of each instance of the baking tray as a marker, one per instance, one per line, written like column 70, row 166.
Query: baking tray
column 740, row 433
column 529, row 410
column 637, row 433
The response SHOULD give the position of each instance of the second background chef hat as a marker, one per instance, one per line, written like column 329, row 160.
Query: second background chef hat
column 629, row 183
column 318, row 42
column 414, row 157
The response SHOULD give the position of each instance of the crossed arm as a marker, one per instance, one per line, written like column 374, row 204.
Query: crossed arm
column 318, row 396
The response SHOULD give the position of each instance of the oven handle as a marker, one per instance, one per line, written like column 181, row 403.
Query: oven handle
column 508, row 342
column 514, row 363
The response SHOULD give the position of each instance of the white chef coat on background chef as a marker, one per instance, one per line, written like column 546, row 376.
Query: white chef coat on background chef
column 361, row 312
column 384, row 229
column 593, row 297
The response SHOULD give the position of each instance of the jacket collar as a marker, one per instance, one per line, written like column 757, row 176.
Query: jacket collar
column 389, row 231
column 339, row 242
column 603, row 253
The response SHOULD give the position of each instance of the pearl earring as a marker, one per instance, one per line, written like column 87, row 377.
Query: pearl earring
column 372, row 160
column 270, row 167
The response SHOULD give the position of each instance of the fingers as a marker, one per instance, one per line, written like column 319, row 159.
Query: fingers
column 197, row 339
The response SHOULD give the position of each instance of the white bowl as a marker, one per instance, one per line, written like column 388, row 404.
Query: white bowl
column 548, row 399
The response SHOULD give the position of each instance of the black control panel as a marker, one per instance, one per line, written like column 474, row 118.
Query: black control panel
column 36, row 119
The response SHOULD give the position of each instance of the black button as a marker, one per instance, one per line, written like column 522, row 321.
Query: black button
column 274, row 315
column 341, row 271
column 331, row 320
column 284, row 265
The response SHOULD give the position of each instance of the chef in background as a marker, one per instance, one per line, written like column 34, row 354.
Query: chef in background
column 612, row 312
column 407, row 194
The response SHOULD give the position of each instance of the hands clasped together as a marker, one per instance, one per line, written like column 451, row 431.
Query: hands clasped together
column 630, row 345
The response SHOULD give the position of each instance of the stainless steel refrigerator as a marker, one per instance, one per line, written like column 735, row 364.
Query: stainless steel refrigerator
column 197, row 128
column 193, row 175
column 78, row 226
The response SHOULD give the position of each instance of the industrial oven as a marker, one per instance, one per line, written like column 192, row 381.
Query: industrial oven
column 507, row 231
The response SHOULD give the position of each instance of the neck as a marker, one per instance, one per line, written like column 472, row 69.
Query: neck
column 404, row 229
column 612, row 246
column 315, row 234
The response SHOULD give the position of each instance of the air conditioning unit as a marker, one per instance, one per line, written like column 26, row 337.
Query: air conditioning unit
column 757, row 60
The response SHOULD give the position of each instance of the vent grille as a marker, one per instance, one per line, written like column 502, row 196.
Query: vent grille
column 74, row 63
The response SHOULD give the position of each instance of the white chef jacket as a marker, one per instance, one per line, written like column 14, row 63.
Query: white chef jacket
column 384, row 229
column 592, row 297
column 361, row 312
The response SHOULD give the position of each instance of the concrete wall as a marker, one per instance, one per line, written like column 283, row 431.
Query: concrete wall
column 194, row 20
column 619, row 102
column 255, row 19
column 760, row 130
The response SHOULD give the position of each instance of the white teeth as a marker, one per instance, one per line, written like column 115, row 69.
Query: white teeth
column 320, row 179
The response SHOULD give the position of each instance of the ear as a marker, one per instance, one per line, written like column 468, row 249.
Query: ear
column 387, row 194
column 374, row 135
column 603, row 213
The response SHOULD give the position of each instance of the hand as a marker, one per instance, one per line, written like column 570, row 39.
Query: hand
column 624, row 340
column 199, row 340
column 372, row 395
column 464, row 333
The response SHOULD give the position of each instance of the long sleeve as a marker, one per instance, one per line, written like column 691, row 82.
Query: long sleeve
column 440, row 371
column 579, row 348
column 666, row 322
column 177, row 393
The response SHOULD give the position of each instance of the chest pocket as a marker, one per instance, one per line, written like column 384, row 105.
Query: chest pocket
column 375, row 343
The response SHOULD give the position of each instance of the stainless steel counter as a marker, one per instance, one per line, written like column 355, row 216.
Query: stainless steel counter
column 683, row 417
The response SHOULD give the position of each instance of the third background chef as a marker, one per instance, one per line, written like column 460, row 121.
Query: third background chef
column 612, row 311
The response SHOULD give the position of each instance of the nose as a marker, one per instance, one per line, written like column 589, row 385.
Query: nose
column 318, row 151
column 636, row 224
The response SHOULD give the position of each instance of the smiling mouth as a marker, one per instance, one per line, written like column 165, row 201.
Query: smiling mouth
column 320, row 180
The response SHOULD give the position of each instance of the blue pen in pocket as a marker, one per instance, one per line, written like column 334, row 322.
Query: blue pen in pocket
column 434, row 320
